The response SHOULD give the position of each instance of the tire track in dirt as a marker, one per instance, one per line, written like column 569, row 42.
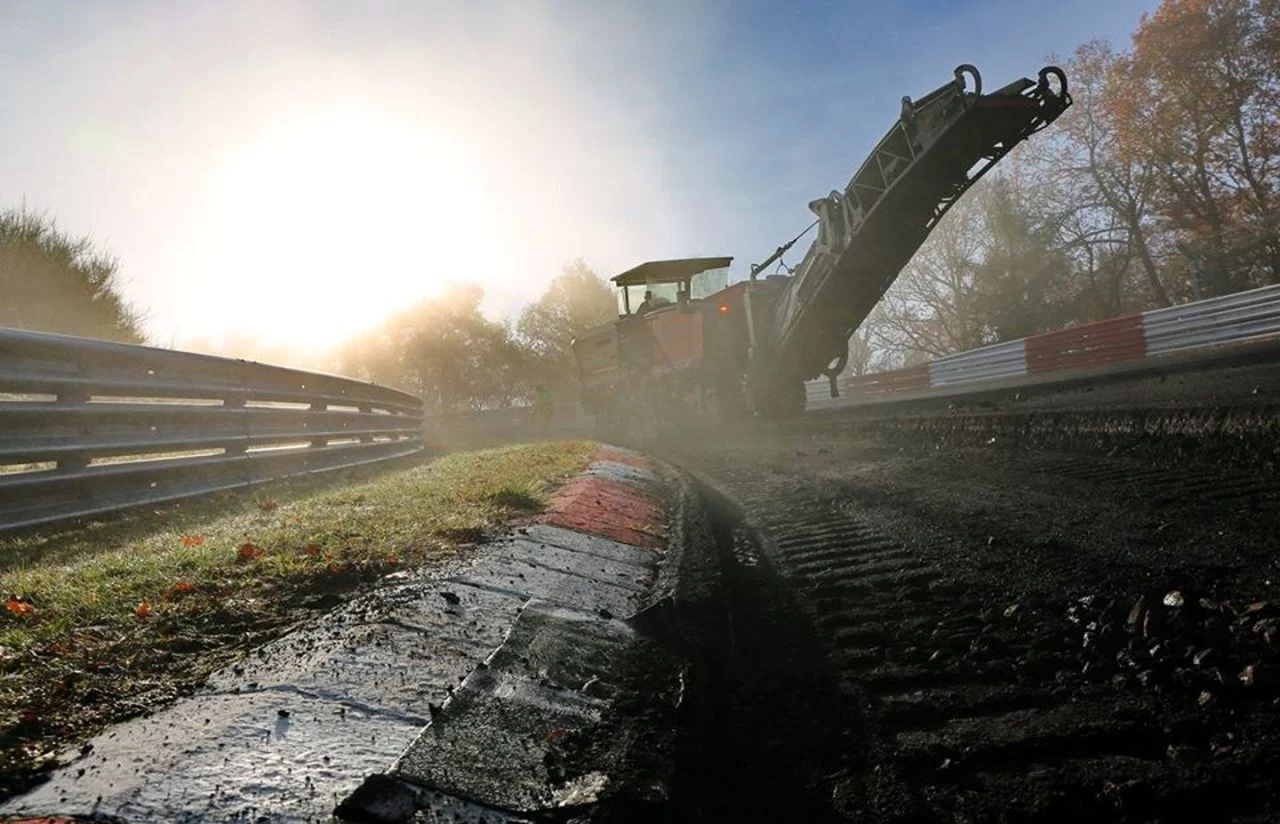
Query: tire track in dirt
column 979, row 710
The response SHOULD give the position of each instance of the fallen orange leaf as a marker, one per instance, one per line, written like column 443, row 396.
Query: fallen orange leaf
column 19, row 608
column 143, row 610
column 313, row 550
column 249, row 552
column 192, row 540
column 183, row 588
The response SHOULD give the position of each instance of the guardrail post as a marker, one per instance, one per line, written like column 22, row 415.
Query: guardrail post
column 239, row 447
column 318, row 406
column 79, row 461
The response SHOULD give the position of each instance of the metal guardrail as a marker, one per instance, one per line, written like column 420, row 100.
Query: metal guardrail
column 1239, row 319
column 1090, row 344
column 818, row 392
column 1228, row 319
column 995, row 361
column 88, row 427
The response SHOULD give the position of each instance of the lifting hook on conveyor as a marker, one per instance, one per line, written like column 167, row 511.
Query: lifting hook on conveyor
column 1057, row 73
column 972, row 71
column 834, row 369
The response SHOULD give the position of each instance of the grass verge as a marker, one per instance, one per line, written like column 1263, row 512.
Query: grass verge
column 105, row 620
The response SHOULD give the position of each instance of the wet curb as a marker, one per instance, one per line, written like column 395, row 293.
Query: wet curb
column 521, row 738
column 419, row 688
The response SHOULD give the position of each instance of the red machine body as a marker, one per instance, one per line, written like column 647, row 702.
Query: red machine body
column 686, row 355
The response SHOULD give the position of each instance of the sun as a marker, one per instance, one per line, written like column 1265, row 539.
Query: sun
column 324, row 223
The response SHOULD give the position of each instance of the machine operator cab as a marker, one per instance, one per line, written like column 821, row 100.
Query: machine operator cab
column 663, row 283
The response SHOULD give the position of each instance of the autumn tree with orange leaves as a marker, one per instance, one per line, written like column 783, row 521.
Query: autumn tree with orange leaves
column 1159, row 186
column 1198, row 101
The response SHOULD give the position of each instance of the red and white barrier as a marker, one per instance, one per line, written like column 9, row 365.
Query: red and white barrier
column 1244, row 317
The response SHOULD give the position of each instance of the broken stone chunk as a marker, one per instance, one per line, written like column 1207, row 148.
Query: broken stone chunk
column 1252, row 675
column 1136, row 611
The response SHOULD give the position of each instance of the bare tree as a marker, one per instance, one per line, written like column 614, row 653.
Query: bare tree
column 1108, row 213
column 929, row 309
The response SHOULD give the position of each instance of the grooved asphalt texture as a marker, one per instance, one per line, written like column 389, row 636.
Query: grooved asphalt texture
column 290, row 731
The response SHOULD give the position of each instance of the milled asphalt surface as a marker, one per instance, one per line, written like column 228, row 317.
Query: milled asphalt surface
column 496, row 657
column 1055, row 608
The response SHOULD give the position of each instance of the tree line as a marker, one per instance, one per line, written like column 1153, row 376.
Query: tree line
column 442, row 349
column 448, row 353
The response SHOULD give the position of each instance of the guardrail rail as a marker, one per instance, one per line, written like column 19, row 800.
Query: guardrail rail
column 1230, row 320
column 87, row 427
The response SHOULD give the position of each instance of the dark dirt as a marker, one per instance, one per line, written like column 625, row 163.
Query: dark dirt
column 942, row 622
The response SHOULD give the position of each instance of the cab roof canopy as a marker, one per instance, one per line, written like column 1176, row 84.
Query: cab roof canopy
column 669, row 271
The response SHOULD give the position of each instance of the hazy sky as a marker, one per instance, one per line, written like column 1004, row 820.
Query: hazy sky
column 296, row 170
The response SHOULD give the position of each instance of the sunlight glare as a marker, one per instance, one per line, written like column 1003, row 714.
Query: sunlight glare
column 329, row 222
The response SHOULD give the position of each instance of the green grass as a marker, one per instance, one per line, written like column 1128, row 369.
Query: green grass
column 159, row 598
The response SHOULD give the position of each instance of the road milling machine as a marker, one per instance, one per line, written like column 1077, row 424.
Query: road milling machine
column 688, row 342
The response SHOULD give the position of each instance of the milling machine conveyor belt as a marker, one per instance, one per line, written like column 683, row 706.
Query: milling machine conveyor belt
column 940, row 146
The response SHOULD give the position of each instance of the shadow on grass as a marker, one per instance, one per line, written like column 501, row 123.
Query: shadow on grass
column 518, row 497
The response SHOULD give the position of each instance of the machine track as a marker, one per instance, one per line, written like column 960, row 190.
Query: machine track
column 1007, row 634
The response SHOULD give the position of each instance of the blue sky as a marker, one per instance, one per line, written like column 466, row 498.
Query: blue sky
column 295, row 170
